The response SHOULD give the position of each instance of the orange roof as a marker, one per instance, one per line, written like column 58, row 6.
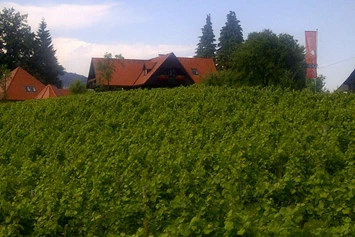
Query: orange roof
column 22, row 85
column 133, row 72
column 51, row 91
column 149, row 65
column 126, row 70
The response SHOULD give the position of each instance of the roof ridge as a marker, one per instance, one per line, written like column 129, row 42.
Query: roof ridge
column 150, row 59
column 195, row 58
column 125, row 59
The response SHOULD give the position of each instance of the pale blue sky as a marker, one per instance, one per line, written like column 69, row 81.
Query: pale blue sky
column 143, row 29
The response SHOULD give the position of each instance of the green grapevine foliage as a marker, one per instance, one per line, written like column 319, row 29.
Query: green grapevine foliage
column 196, row 161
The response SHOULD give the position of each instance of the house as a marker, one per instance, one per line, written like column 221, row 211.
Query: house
column 349, row 83
column 51, row 91
column 21, row 86
column 163, row 71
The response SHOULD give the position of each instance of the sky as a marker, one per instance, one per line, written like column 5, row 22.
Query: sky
column 141, row 29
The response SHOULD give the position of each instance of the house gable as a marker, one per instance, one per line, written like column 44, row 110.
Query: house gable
column 169, row 73
column 154, row 65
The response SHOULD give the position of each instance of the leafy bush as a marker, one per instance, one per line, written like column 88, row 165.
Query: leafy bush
column 196, row 161
column 316, row 84
column 227, row 78
column 77, row 87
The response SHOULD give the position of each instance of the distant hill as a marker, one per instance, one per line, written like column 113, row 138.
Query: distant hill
column 68, row 77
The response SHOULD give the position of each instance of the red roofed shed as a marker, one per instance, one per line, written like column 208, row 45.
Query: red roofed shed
column 51, row 91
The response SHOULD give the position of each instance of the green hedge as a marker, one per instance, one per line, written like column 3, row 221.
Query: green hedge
column 197, row 161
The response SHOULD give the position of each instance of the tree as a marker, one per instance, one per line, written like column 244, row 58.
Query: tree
column 267, row 59
column 105, row 69
column 316, row 84
column 77, row 87
column 231, row 37
column 206, row 48
column 4, row 78
column 119, row 56
column 33, row 52
column 48, row 69
column 17, row 42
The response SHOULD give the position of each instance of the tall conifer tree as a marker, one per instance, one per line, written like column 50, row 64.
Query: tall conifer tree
column 230, row 37
column 48, row 68
column 206, row 48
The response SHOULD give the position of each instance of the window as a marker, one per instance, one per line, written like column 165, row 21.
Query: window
column 146, row 71
column 172, row 72
column 194, row 71
column 30, row 89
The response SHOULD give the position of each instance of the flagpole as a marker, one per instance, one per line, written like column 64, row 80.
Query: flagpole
column 315, row 80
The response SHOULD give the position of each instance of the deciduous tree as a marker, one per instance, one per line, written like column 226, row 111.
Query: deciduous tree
column 317, row 84
column 17, row 42
column 267, row 59
column 206, row 48
column 119, row 56
column 77, row 87
column 231, row 37
column 105, row 69
column 4, row 78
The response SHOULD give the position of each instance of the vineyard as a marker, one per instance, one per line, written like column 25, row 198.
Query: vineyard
column 196, row 161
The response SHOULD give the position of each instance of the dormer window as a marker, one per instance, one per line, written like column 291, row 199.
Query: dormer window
column 30, row 89
column 194, row 71
column 146, row 71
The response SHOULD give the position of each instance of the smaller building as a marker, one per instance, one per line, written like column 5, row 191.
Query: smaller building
column 51, row 91
column 163, row 71
column 21, row 86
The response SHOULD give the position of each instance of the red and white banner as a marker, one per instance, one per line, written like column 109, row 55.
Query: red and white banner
column 311, row 54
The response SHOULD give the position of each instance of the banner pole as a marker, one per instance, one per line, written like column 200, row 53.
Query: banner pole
column 315, row 80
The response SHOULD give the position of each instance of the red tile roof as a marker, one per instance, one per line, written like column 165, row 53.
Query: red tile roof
column 126, row 70
column 149, row 65
column 204, row 66
column 22, row 85
column 131, row 72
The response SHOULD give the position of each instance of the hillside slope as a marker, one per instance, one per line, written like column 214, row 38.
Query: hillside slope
column 68, row 77
column 191, row 161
